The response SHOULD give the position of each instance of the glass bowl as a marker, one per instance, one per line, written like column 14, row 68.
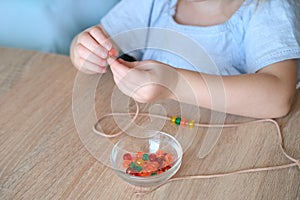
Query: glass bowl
column 148, row 161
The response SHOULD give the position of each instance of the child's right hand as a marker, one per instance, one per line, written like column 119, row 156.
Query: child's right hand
column 90, row 50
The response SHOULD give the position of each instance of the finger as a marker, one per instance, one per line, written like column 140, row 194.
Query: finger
column 90, row 43
column 100, row 37
column 86, row 54
column 89, row 66
column 118, row 68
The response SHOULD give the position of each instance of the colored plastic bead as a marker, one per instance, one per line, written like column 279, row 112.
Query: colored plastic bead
column 169, row 158
column 177, row 121
column 113, row 52
column 159, row 153
column 127, row 156
column 173, row 119
column 150, row 168
column 191, row 124
column 144, row 173
column 152, row 157
column 131, row 171
column 138, row 168
column 132, row 165
column 155, row 165
column 126, row 163
column 183, row 122
column 139, row 161
column 139, row 155
column 160, row 161
column 145, row 156
column 165, row 168
column 133, row 159
column 153, row 173
column 145, row 163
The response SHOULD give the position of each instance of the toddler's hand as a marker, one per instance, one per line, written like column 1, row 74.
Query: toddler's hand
column 90, row 50
column 144, row 81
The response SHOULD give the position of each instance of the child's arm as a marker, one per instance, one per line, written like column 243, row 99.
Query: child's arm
column 265, row 94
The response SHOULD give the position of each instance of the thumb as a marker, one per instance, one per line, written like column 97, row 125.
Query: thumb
column 119, row 67
column 128, row 64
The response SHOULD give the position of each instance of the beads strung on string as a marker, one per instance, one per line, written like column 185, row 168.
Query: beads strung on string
column 182, row 122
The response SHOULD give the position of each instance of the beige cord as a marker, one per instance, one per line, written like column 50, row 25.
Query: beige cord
column 295, row 162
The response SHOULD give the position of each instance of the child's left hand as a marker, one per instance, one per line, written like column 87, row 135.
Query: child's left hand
column 144, row 81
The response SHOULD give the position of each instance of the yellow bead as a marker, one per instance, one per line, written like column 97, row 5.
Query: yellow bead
column 173, row 119
column 139, row 161
column 191, row 124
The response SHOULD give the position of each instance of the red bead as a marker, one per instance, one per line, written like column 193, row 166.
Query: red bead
column 131, row 171
column 160, row 161
column 165, row 168
column 127, row 156
column 152, row 157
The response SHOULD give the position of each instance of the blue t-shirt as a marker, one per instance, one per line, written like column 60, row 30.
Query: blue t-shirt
column 254, row 37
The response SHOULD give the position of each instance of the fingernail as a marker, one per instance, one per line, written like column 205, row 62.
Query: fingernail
column 103, row 54
column 107, row 45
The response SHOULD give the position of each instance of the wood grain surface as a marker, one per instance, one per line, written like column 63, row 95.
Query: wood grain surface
column 43, row 156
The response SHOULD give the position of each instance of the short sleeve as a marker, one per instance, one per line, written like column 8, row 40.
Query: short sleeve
column 272, row 34
column 127, row 23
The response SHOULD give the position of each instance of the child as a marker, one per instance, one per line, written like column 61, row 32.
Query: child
column 254, row 43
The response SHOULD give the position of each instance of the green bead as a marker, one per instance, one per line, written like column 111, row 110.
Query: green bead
column 154, row 173
column 145, row 157
column 138, row 168
column 132, row 165
column 177, row 121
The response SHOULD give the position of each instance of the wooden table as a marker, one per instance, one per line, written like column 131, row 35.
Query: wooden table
column 43, row 156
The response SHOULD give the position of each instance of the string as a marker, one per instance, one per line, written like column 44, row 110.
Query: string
column 295, row 162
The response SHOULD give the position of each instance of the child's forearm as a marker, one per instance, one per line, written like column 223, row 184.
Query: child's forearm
column 266, row 94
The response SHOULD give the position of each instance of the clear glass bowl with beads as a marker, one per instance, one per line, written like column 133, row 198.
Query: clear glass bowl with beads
column 149, row 161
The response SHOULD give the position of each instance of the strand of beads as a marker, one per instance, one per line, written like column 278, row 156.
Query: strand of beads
column 182, row 122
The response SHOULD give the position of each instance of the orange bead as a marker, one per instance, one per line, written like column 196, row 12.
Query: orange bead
column 149, row 168
column 144, row 163
column 159, row 153
column 183, row 122
column 139, row 155
column 169, row 158
column 154, row 164
column 113, row 53
column 126, row 163
column 144, row 173
column 133, row 159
